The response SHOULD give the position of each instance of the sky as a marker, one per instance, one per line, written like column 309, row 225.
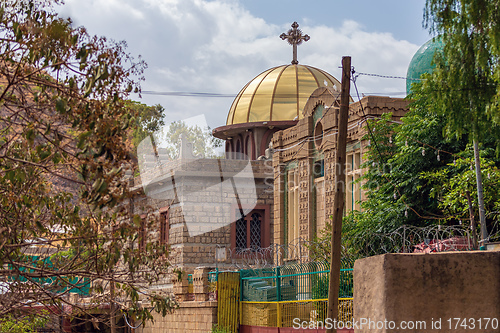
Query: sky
column 217, row 46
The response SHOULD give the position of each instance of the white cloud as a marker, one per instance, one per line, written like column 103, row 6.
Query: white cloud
column 218, row 46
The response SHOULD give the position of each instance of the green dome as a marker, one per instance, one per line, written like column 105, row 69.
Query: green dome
column 422, row 61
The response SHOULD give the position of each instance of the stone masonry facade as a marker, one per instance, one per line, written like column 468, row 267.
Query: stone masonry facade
column 310, row 146
column 210, row 208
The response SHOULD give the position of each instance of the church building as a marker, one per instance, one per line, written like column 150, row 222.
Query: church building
column 276, row 182
column 274, row 188
column 294, row 110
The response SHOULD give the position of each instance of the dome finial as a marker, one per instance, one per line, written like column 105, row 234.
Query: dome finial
column 294, row 38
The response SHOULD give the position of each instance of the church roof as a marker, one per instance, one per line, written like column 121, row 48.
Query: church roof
column 278, row 94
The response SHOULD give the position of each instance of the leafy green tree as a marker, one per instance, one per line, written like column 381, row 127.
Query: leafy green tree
column 64, row 213
column 414, row 176
column 411, row 177
column 465, row 86
column 451, row 186
column 149, row 120
column 397, row 156
column 204, row 143
column 396, row 192
column 26, row 324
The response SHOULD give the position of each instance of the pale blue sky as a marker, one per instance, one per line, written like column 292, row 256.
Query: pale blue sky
column 403, row 18
column 217, row 46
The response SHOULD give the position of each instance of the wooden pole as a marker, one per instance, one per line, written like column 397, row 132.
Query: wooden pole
column 340, row 185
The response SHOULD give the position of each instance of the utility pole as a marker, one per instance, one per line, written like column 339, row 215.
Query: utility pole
column 340, row 185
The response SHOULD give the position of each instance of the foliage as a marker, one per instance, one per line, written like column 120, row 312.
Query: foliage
column 395, row 191
column 319, row 290
column 414, row 176
column 219, row 329
column 411, row 178
column 452, row 183
column 320, row 249
column 64, row 121
column 397, row 183
column 319, row 287
column 149, row 120
column 27, row 324
column 204, row 144
column 464, row 87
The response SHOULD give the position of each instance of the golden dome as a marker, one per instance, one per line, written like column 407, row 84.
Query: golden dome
column 278, row 94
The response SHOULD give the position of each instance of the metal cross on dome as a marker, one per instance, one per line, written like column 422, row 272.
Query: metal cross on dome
column 294, row 37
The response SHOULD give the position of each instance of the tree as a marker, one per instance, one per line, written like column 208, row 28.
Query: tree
column 150, row 119
column 64, row 220
column 415, row 176
column 396, row 193
column 204, row 143
column 27, row 324
column 465, row 85
column 452, row 184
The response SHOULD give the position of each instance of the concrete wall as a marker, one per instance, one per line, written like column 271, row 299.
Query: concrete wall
column 429, row 288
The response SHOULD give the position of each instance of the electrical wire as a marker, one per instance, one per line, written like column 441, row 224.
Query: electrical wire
column 388, row 76
column 354, row 75
column 222, row 95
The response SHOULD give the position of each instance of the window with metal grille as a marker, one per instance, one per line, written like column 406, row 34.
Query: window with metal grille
column 255, row 234
column 241, row 234
column 248, row 231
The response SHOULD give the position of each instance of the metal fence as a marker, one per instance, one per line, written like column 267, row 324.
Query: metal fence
column 274, row 297
column 283, row 314
column 293, row 282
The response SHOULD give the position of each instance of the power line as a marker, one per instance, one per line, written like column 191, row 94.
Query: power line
column 221, row 95
column 389, row 76
column 356, row 74
column 186, row 94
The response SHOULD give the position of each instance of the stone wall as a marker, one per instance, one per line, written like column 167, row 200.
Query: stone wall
column 190, row 189
column 192, row 317
column 200, row 208
column 197, row 311
column 430, row 290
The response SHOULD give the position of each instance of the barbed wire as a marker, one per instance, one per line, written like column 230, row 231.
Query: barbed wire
column 404, row 239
